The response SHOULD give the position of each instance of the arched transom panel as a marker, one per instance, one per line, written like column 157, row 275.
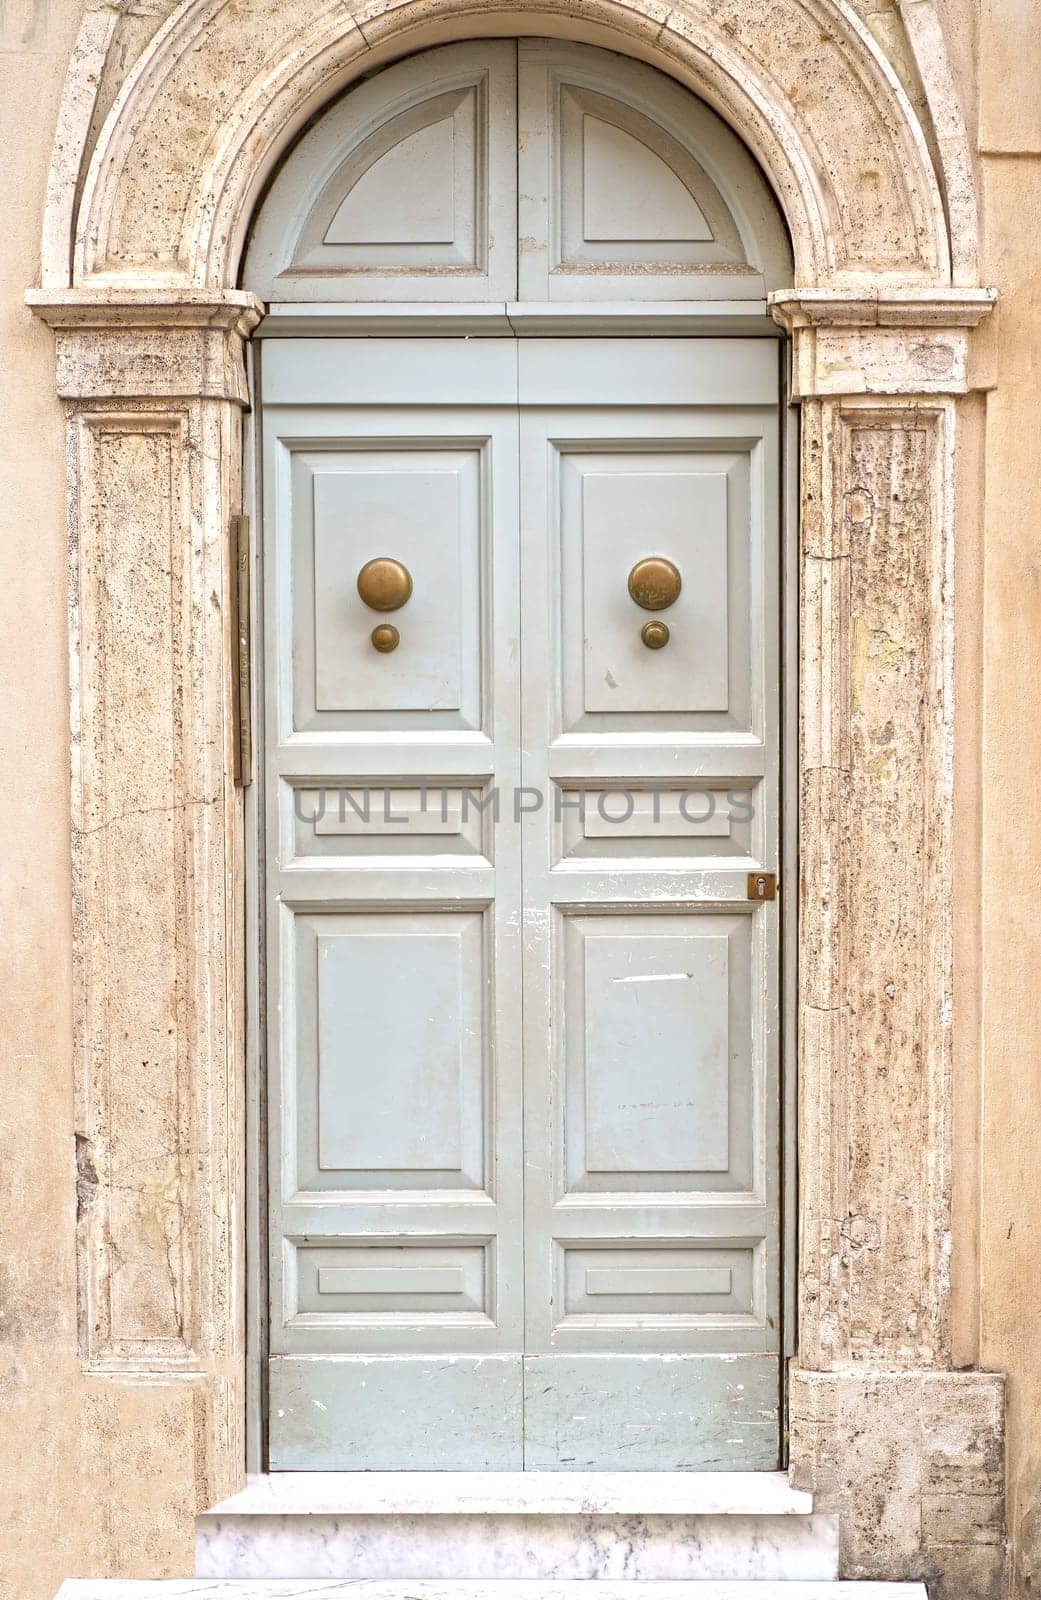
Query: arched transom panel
column 532, row 169
column 225, row 86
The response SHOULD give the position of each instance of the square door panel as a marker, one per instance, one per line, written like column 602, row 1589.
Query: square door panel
column 618, row 508
column 422, row 507
column 390, row 1050
column 658, row 1054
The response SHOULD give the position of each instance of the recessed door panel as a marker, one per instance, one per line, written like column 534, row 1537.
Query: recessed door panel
column 627, row 187
column 420, row 507
column 366, row 1287
column 616, row 511
column 625, row 1287
column 699, row 819
column 389, row 1009
column 659, row 1075
column 655, row 1016
column 404, row 189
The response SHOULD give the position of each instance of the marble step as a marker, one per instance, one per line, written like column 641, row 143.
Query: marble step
column 549, row 1527
column 496, row 1589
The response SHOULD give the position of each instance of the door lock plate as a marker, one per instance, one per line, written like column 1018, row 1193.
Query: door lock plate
column 762, row 886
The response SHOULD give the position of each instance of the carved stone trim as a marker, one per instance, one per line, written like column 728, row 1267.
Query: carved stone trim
column 848, row 160
column 885, row 345
column 115, row 344
column 137, row 1302
column 157, row 849
column 155, row 836
column 875, row 906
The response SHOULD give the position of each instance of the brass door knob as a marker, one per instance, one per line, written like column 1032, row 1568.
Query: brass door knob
column 655, row 635
column 384, row 584
column 385, row 638
column 655, row 583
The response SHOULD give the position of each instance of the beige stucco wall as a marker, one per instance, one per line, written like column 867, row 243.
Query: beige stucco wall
column 79, row 1492
column 1010, row 1329
column 107, row 1492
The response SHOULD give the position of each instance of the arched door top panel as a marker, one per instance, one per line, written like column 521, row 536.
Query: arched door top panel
column 406, row 189
column 532, row 170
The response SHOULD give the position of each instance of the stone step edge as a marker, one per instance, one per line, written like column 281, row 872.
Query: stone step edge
column 482, row 1589
column 684, row 1494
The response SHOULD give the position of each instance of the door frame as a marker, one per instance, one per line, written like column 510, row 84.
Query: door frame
column 581, row 320
column 145, row 219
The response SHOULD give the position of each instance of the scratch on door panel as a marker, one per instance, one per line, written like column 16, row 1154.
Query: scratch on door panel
column 654, row 977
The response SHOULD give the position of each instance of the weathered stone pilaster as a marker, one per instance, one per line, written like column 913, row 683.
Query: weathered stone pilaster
column 908, row 1451
column 153, row 389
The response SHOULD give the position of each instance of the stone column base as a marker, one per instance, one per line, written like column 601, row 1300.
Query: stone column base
column 913, row 1463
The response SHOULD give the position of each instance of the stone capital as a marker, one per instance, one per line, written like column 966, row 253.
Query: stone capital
column 911, row 343
column 120, row 343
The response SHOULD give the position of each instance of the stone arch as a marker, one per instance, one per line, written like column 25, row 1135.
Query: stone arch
column 221, row 89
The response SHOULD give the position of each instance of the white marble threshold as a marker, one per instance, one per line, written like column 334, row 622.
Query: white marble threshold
column 686, row 1494
column 485, row 1589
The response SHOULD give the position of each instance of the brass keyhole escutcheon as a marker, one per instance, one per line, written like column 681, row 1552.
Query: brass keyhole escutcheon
column 384, row 584
column 655, row 635
column 385, row 638
column 655, row 584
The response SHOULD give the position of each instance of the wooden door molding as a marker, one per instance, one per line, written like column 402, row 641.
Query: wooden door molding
column 143, row 238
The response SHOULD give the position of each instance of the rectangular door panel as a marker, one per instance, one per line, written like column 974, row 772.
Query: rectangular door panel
column 390, row 1023
column 630, row 373
column 657, row 1052
column 661, row 1413
column 369, row 1285
column 393, row 819
column 645, row 498
column 631, row 1288
column 424, row 507
column 315, row 373
column 420, row 506
column 614, row 514
column 697, row 820
column 396, row 1413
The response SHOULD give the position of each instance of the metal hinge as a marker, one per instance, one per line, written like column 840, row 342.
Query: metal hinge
column 762, row 885
column 241, row 654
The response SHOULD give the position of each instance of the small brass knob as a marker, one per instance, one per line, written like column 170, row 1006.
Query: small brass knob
column 384, row 584
column 655, row 583
column 385, row 638
column 655, row 635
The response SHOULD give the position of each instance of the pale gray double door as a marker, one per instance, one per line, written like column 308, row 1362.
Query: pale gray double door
column 523, row 1019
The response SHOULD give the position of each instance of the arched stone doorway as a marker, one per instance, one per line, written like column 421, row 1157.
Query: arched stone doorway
column 524, row 1064
column 141, row 253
